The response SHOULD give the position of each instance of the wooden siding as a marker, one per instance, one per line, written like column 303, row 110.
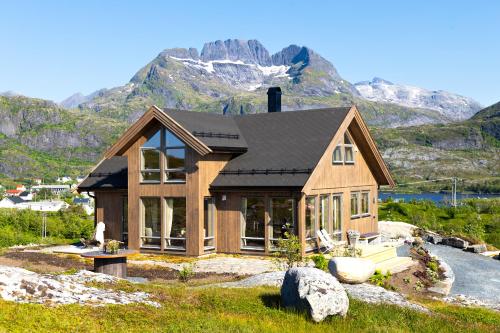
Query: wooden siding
column 108, row 209
column 343, row 179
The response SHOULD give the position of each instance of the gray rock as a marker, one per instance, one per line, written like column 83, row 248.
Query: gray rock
column 455, row 242
column 433, row 238
column 313, row 290
column 476, row 248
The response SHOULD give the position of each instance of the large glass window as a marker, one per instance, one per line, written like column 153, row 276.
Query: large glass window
column 282, row 213
column 209, row 223
column 252, row 223
column 310, row 221
column 337, row 217
column 323, row 213
column 151, row 223
column 175, row 157
column 355, row 204
column 365, row 203
column 175, row 223
column 150, row 159
column 163, row 144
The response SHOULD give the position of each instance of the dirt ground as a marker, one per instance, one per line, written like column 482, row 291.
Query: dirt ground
column 58, row 263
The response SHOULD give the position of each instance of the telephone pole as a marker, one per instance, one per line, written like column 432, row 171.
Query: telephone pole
column 454, row 192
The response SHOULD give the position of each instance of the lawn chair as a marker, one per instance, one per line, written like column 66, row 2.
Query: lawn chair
column 325, row 242
column 330, row 240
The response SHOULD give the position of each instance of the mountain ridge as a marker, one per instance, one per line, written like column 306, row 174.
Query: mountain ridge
column 232, row 75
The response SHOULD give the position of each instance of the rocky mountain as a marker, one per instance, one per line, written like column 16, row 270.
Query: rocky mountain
column 233, row 75
column 76, row 99
column 450, row 105
column 468, row 149
column 40, row 139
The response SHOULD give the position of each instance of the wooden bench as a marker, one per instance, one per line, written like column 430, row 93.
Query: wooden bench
column 368, row 237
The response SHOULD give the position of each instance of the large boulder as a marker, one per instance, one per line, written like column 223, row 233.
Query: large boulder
column 396, row 230
column 315, row 291
column 433, row 238
column 455, row 242
column 351, row 270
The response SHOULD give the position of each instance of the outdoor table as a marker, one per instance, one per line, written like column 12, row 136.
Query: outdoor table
column 112, row 264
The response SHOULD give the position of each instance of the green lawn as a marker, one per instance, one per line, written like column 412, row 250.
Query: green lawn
column 235, row 310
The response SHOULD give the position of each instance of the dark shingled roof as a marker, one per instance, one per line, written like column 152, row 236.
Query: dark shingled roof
column 283, row 147
column 109, row 174
column 278, row 149
column 16, row 200
column 216, row 131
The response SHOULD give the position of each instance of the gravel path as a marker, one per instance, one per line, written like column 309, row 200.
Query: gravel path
column 219, row 265
column 476, row 276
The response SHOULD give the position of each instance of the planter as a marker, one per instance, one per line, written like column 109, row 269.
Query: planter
column 353, row 237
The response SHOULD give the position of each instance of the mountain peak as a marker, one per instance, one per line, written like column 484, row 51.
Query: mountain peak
column 247, row 51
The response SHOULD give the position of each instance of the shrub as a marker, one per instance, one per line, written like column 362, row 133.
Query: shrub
column 320, row 262
column 381, row 280
column 186, row 273
column 433, row 265
column 288, row 250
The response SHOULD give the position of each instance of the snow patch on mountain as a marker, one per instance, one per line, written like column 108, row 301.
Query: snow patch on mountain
column 221, row 67
column 451, row 105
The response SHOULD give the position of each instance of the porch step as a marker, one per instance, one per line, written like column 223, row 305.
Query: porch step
column 378, row 253
column 395, row 265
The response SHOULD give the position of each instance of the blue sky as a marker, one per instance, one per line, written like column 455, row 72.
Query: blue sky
column 52, row 49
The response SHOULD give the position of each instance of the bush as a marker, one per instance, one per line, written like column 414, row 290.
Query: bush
column 18, row 227
column 320, row 262
column 186, row 273
column 288, row 250
column 381, row 280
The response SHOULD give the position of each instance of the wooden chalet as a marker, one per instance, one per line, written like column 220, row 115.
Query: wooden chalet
column 194, row 183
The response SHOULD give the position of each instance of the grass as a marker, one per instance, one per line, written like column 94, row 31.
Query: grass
column 477, row 220
column 235, row 310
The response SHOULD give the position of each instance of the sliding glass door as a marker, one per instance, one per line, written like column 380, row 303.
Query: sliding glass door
column 282, row 214
column 252, row 223
column 337, row 217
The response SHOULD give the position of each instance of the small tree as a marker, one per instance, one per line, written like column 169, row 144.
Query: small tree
column 288, row 250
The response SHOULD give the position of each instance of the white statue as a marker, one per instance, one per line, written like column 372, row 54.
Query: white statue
column 99, row 233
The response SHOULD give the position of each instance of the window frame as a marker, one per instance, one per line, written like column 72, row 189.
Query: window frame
column 336, row 233
column 243, row 217
column 142, row 236
column 311, row 240
column 211, row 215
column 367, row 213
column 165, row 239
column 358, row 213
column 339, row 148
column 163, row 156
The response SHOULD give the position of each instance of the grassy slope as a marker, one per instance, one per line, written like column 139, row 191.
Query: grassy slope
column 477, row 220
column 49, row 141
column 235, row 310
column 465, row 149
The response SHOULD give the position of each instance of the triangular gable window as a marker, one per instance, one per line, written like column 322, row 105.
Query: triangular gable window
column 163, row 146
column 344, row 153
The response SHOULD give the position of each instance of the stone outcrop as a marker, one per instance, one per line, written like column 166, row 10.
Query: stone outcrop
column 476, row 248
column 313, row 290
column 443, row 287
column 21, row 285
column 351, row 270
column 396, row 230
column 455, row 242
column 433, row 238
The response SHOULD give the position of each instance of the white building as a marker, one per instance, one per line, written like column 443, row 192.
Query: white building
column 56, row 189
column 64, row 179
column 43, row 206
column 10, row 202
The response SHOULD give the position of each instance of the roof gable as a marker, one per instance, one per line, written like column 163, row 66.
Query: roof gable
column 134, row 132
